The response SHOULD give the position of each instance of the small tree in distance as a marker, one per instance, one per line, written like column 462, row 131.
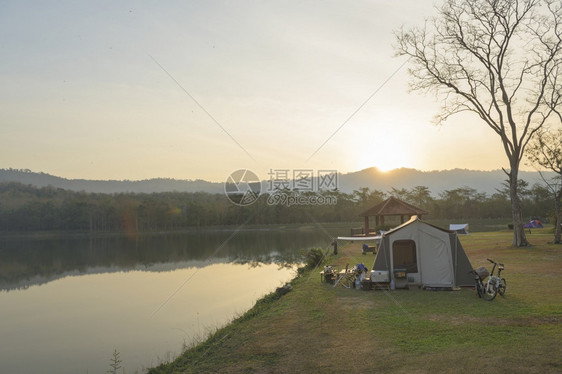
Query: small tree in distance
column 497, row 59
column 115, row 363
column 546, row 151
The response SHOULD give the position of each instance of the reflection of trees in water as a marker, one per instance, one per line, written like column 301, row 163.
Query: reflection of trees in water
column 25, row 262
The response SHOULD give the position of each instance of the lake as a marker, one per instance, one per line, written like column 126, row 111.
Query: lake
column 68, row 302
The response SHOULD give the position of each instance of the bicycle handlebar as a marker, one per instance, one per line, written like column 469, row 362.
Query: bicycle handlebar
column 495, row 263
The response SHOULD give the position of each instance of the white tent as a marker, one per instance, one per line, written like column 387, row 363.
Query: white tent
column 430, row 256
column 459, row 228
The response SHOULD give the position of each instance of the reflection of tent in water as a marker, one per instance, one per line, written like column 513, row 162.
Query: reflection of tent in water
column 423, row 254
column 533, row 224
column 459, row 228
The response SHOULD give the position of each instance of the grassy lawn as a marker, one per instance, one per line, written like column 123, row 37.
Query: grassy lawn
column 319, row 328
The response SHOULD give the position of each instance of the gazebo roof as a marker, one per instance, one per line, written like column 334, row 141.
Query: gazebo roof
column 393, row 207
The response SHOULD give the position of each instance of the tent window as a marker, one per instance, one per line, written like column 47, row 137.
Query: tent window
column 404, row 255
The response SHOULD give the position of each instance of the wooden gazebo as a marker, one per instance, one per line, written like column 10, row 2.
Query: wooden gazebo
column 390, row 207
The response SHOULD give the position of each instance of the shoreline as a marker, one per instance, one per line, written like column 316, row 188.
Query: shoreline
column 47, row 234
column 402, row 330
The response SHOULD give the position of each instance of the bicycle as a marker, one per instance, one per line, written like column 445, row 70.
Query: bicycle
column 495, row 284
column 496, row 281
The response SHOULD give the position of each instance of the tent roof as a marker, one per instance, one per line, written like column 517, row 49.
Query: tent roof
column 393, row 207
column 412, row 220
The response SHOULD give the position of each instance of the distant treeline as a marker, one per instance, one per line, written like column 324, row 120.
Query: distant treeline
column 28, row 208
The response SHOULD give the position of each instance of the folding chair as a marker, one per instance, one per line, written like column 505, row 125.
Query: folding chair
column 346, row 278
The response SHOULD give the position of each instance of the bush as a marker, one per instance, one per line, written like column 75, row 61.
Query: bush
column 314, row 257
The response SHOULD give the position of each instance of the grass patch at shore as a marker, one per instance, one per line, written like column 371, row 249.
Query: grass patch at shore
column 320, row 328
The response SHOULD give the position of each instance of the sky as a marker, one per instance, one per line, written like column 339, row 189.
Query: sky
column 198, row 89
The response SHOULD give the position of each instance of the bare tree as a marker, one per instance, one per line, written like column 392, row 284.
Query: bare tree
column 496, row 59
column 546, row 151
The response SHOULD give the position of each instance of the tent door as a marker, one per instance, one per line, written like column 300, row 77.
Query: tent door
column 404, row 256
column 438, row 269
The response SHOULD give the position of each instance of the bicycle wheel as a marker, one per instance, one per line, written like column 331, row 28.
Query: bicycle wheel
column 502, row 287
column 479, row 289
column 490, row 292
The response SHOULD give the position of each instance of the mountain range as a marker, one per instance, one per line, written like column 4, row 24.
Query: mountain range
column 436, row 181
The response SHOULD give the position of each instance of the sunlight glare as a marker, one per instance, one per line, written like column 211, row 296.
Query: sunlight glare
column 384, row 157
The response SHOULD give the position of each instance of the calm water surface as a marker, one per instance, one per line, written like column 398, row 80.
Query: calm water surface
column 67, row 303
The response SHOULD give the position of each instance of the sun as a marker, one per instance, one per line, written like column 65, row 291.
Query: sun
column 388, row 166
column 384, row 158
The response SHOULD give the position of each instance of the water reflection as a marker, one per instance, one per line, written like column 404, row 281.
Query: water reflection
column 73, row 324
column 31, row 261
column 68, row 302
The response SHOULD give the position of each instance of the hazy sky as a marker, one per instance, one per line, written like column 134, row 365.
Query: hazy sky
column 91, row 89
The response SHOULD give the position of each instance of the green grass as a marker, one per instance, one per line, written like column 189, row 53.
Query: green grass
column 319, row 328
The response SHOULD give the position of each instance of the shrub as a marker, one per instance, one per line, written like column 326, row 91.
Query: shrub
column 314, row 257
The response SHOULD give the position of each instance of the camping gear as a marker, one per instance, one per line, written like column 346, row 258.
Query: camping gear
column 400, row 278
column 359, row 238
column 368, row 248
column 329, row 275
column 533, row 224
column 482, row 272
column 380, row 276
column 494, row 285
column 430, row 255
column 346, row 279
column 360, row 268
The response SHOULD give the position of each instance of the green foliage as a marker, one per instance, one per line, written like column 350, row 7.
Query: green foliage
column 314, row 257
column 27, row 208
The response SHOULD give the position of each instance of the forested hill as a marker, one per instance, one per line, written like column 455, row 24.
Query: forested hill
column 28, row 177
column 24, row 207
column 436, row 181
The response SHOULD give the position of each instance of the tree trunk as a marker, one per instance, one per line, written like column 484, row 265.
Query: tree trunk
column 519, row 238
column 558, row 223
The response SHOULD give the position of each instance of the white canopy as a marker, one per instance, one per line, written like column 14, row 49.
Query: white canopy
column 360, row 238
column 460, row 228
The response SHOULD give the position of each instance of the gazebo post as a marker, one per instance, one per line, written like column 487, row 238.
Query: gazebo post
column 366, row 225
